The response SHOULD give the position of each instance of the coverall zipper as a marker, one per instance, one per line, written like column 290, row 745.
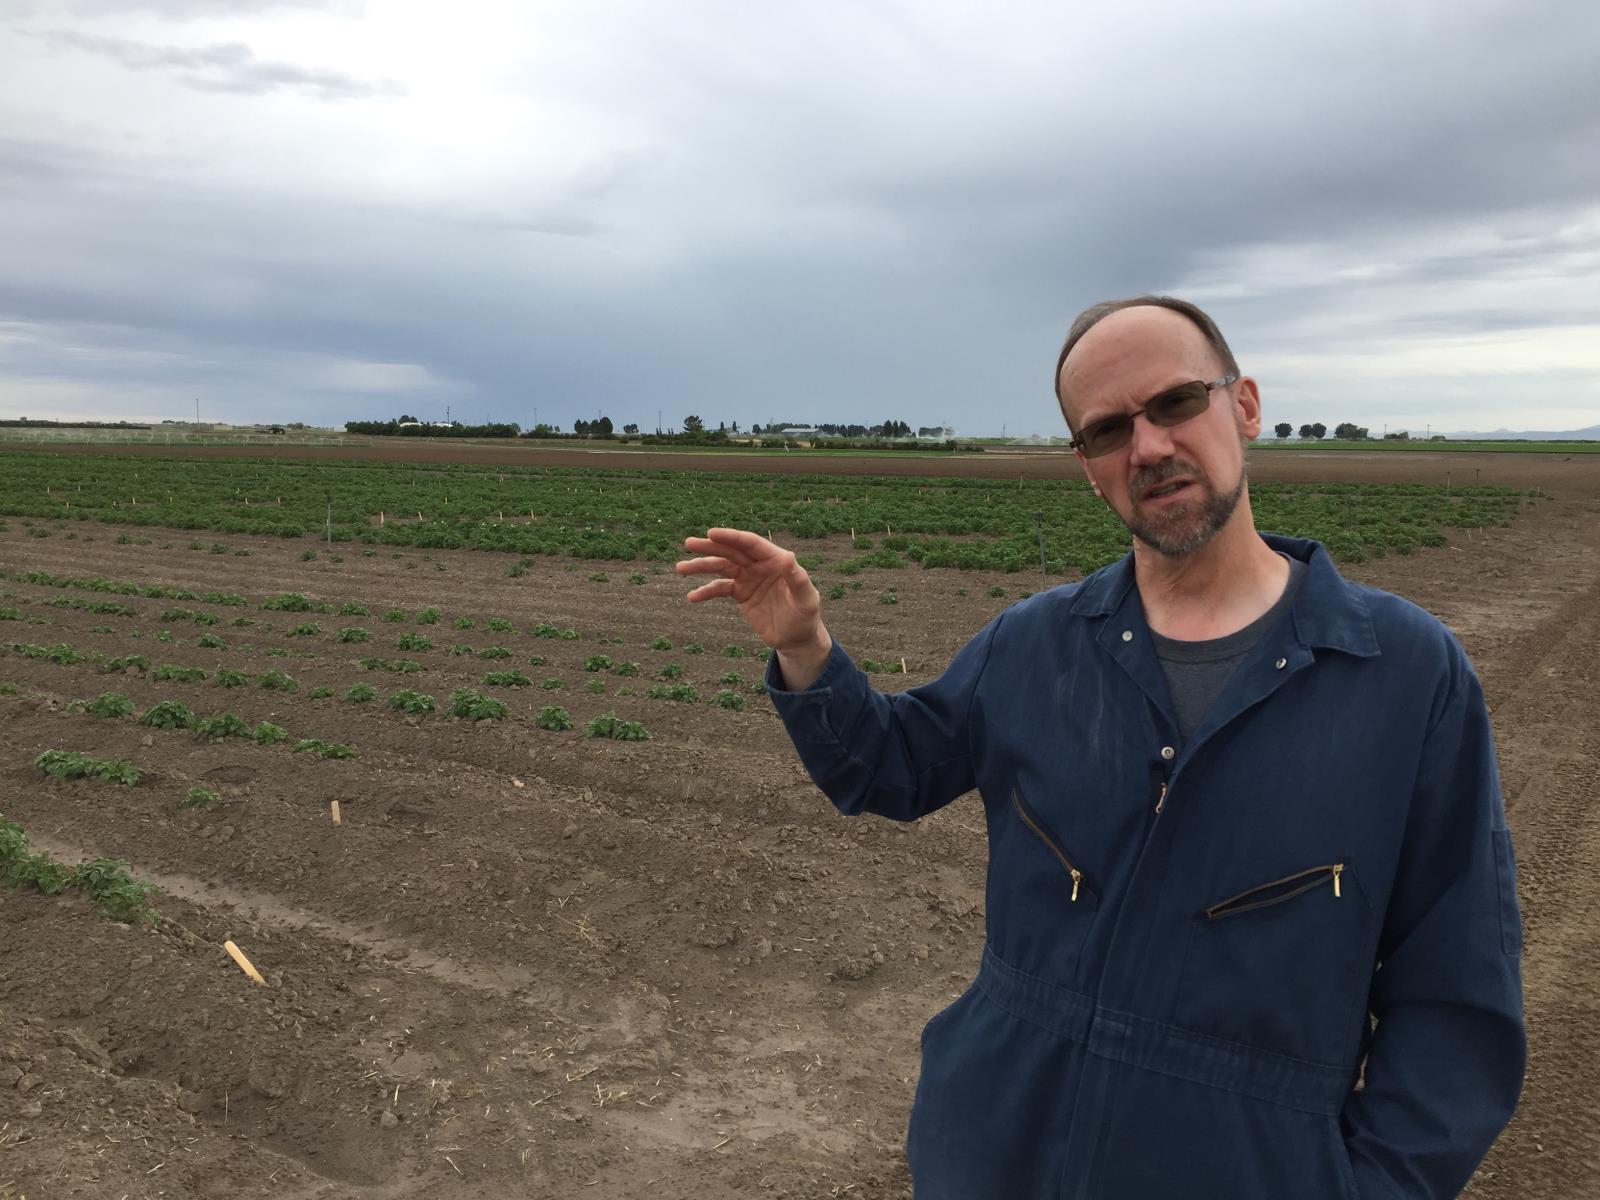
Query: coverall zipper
column 1304, row 880
column 1078, row 877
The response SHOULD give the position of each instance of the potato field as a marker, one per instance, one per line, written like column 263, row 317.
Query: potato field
column 626, row 515
column 541, row 901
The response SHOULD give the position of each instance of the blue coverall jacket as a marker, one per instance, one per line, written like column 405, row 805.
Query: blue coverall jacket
column 1186, row 939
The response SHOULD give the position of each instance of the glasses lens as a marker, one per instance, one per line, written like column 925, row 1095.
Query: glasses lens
column 1105, row 435
column 1172, row 407
column 1179, row 405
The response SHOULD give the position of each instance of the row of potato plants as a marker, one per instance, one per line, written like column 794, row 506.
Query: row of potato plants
column 104, row 881
column 464, row 702
column 624, row 515
column 295, row 602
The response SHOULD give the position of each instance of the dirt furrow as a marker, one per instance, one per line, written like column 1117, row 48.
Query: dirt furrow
column 1550, row 760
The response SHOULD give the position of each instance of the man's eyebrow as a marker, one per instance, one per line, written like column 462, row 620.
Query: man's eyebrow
column 1160, row 391
column 1099, row 416
column 1116, row 412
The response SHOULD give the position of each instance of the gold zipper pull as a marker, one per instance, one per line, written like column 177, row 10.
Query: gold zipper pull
column 1337, row 868
column 1162, row 798
column 1077, row 878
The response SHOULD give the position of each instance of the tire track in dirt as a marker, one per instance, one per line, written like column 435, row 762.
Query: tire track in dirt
column 427, row 1008
column 1552, row 1147
column 508, row 980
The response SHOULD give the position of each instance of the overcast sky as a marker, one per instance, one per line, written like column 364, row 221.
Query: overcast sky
column 822, row 211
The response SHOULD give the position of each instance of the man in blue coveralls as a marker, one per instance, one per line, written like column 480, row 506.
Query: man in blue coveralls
column 1252, row 924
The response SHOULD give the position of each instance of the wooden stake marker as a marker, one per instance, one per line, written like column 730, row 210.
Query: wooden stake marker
column 244, row 963
column 333, row 808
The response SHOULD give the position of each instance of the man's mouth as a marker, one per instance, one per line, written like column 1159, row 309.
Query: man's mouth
column 1171, row 487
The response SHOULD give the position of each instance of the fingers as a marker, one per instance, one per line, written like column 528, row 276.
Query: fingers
column 728, row 553
column 734, row 543
column 736, row 554
column 716, row 589
column 750, row 543
column 704, row 566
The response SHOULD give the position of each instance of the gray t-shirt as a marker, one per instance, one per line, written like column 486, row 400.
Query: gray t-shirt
column 1197, row 671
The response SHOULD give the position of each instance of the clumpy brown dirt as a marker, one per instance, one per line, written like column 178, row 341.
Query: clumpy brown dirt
column 531, row 964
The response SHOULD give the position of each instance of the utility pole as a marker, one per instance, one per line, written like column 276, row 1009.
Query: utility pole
column 197, row 410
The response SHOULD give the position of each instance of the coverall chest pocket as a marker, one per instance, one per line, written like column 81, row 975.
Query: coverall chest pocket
column 1043, row 878
column 1279, row 965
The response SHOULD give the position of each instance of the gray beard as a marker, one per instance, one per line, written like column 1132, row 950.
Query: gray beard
column 1186, row 529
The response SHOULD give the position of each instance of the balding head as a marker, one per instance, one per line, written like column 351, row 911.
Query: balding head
column 1177, row 323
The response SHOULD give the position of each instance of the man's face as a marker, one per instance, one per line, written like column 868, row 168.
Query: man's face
column 1174, row 488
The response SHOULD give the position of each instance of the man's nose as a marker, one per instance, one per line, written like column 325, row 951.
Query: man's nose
column 1151, row 442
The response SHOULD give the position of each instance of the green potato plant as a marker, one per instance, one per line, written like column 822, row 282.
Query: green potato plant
column 74, row 764
column 609, row 725
column 554, row 718
column 474, row 705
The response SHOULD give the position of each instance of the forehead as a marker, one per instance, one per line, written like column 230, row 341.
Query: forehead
column 1131, row 355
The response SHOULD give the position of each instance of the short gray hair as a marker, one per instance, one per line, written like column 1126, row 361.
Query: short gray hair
column 1095, row 313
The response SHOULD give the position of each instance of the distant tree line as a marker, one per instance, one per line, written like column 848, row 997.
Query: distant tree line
column 409, row 426
column 889, row 429
column 821, row 443
column 693, row 432
column 41, row 423
column 1348, row 431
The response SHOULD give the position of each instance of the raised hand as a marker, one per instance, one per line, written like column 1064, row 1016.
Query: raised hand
column 775, row 596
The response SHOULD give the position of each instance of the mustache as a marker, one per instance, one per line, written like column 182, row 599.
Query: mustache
column 1159, row 473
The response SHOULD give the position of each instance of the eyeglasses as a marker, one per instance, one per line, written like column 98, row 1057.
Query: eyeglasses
column 1172, row 407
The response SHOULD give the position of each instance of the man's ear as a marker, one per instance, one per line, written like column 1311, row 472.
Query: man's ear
column 1247, row 408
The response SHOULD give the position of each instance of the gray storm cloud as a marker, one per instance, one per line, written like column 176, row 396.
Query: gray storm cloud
column 224, row 67
column 748, row 214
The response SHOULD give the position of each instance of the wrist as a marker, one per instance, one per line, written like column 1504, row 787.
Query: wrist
column 801, row 664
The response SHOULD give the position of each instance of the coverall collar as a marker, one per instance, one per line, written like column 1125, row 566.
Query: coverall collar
column 1329, row 612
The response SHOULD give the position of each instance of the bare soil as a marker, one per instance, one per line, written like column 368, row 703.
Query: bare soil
column 1572, row 472
column 531, row 964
